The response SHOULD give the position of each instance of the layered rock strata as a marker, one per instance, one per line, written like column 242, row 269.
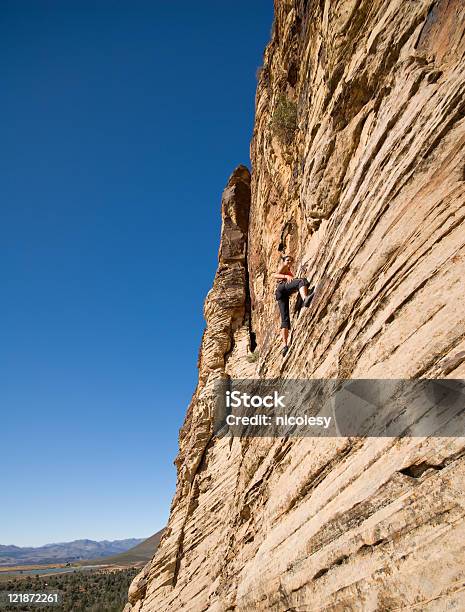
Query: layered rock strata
column 358, row 165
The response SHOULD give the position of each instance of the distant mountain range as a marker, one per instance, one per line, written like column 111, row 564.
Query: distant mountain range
column 137, row 556
column 65, row 552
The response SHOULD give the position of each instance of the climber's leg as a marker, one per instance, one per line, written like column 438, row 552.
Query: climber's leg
column 285, row 322
column 292, row 286
column 285, row 335
column 283, row 292
column 304, row 293
column 282, row 297
column 283, row 303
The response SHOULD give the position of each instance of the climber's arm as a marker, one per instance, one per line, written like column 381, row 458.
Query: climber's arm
column 283, row 273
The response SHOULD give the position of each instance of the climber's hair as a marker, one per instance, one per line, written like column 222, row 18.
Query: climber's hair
column 284, row 257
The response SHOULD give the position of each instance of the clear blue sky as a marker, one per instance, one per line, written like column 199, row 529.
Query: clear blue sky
column 120, row 124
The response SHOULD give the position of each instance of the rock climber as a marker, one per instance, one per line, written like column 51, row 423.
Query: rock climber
column 287, row 285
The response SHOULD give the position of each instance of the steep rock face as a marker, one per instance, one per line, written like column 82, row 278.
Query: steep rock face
column 359, row 171
column 226, row 338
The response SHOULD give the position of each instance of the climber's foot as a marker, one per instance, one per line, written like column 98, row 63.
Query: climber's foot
column 308, row 300
column 284, row 351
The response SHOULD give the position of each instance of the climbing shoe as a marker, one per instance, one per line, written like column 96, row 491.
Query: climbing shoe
column 284, row 351
column 308, row 300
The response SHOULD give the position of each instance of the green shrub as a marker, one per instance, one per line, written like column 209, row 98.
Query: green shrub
column 252, row 357
column 284, row 120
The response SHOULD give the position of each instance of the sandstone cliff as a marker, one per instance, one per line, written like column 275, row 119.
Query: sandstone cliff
column 358, row 169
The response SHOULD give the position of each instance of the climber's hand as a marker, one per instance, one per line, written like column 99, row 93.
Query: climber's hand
column 289, row 278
